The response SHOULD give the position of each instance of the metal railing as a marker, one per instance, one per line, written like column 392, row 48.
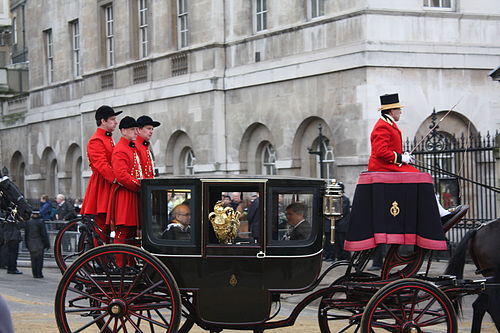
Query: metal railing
column 69, row 241
column 464, row 172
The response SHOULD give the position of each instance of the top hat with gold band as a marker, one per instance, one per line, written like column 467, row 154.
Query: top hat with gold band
column 389, row 101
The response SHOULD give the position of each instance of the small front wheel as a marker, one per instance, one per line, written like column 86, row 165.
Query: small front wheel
column 407, row 306
column 95, row 291
column 70, row 242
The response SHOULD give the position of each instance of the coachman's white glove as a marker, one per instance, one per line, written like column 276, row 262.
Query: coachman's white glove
column 407, row 158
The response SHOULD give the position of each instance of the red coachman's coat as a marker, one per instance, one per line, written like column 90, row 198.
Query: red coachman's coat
column 99, row 150
column 145, row 157
column 387, row 148
column 124, row 203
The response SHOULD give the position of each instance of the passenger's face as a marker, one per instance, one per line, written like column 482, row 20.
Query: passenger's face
column 145, row 132
column 235, row 197
column 183, row 215
column 293, row 217
column 109, row 124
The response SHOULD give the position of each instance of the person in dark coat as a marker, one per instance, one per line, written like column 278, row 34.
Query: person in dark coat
column 12, row 238
column 65, row 209
column 299, row 228
column 37, row 240
column 253, row 217
column 45, row 208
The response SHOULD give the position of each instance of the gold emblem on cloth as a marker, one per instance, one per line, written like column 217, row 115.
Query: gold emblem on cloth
column 225, row 222
column 394, row 210
column 233, row 281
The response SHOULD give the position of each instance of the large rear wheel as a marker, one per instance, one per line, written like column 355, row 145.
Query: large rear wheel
column 409, row 306
column 94, row 291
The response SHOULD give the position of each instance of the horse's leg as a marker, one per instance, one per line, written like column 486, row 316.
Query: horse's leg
column 479, row 306
column 494, row 305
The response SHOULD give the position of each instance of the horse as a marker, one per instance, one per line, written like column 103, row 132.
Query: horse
column 12, row 201
column 483, row 246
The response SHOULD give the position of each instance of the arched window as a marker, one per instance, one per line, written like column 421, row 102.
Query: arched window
column 189, row 161
column 327, row 158
column 53, row 180
column 269, row 160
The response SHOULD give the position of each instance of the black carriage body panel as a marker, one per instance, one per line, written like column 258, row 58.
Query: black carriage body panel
column 233, row 283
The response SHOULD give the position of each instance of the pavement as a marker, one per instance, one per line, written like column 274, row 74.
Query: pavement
column 31, row 301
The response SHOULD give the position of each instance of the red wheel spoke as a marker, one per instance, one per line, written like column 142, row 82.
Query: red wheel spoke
column 87, row 295
column 152, row 306
column 413, row 304
column 123, row 321
column 136, row 279
column 103, row 328
column 96, row 283
column 401, row 307
column 426, row 309
column 393, row 315
column 146, row 290
column 433, row 321
column 91, row 322
column 136, row 327
column 151, row 320
column 85, row 309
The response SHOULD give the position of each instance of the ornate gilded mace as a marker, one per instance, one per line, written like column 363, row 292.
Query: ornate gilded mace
column 226, row 223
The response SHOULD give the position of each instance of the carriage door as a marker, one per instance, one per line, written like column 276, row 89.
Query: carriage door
column 225, row 203
column 233, row 262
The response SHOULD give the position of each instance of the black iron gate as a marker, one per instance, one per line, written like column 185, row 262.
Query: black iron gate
column 463, row 169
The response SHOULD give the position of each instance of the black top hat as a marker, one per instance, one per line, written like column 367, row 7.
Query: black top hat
column 105, row 111
column 389, row 101
column 127, row 122
column 146, row 120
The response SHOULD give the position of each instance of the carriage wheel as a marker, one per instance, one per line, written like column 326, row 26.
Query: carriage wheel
column 94, row 291
column 338, row 314
column 64, row 257
column 407, row 306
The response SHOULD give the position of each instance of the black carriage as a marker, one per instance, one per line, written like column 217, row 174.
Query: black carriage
column 233, row 263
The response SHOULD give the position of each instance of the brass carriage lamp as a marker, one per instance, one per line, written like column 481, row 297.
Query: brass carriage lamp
column 333, row 201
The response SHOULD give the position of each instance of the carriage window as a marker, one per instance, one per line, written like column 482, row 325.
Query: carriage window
column 171, row 214
column 292, row 216
column 234, row 215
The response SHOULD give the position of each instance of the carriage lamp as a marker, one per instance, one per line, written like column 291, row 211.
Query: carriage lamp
column 332, row 205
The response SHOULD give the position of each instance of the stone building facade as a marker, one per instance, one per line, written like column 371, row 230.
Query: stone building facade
column 241, row 86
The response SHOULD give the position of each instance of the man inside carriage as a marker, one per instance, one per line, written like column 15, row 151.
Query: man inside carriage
column 395, row 199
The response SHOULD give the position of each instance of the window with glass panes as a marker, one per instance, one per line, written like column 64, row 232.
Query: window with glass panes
column 110, row 42
column 261, row 15
column 317, row 8
column 75, row 38
column 269, row 160
column 328, row 160
column 438, row 3
column 182, row 22
column 143, row 28
column 50, row 54
column 14, row 30
column 189, row 162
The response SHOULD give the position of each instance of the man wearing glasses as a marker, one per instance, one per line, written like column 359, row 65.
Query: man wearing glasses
column 179, row 228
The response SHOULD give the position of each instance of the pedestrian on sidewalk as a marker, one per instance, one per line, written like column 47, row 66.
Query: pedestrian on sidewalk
column 37, row 241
